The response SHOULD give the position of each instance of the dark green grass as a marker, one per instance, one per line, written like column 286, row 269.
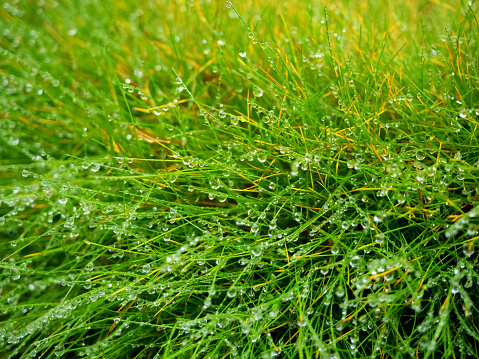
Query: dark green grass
column 199, row 179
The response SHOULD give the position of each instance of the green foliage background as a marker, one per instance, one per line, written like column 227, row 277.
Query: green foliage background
column 203, row 179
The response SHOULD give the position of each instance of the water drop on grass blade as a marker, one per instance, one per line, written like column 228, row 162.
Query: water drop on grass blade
column 355, row 261
column 232, row 292
column 468, row 249
column 262, row 157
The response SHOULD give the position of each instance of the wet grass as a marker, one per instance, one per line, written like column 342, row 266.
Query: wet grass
column 200, row 179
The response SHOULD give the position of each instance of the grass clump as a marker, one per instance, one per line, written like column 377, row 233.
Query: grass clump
column 200, row 179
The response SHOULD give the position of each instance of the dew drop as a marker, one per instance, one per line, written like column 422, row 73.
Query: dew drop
column 335, row 249
column 379, row 238
column 262, row 157
column 468, row 249
column 355, row 261
column 232, row 292
column 301, row 322
column 421, row 176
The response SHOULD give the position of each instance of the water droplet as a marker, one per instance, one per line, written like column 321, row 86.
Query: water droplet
column 232, row 292
column 379, row 217
column 335, row 249
column 59, row 350
column 89, row 267
column 262, row 157
column 379, row 238
column 146, row 268
column 421, row 175
column 256, row 252
column 355, row 261
column 420, row 155
column 302, row 322
column 468, row 249
column 207, row 302
column 234, row 120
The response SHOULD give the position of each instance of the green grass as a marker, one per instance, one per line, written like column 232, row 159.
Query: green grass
column 197, row 179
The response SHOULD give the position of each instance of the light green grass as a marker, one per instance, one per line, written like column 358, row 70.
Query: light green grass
column 200, row 179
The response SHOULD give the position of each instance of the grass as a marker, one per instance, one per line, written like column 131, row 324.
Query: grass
column 202, row 179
